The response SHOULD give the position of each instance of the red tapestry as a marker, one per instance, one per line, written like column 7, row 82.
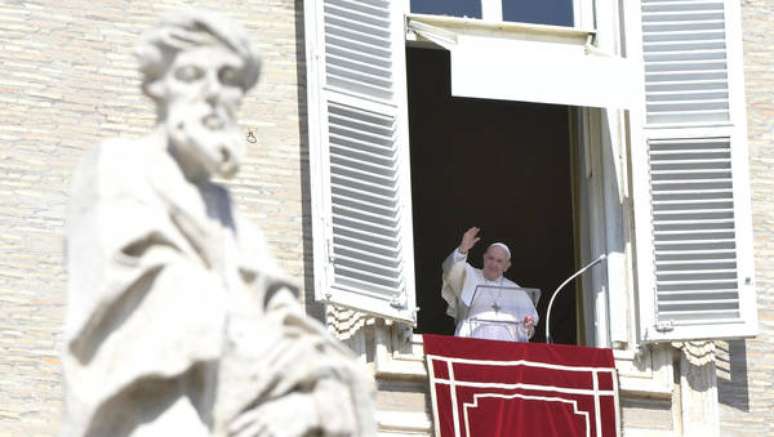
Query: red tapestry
column 485, row 388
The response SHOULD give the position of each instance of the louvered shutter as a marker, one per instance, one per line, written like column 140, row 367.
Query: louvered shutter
column 358, row 148
column 690, row 175
column 684, row 48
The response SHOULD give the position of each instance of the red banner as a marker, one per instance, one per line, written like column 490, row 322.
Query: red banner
column 485, row 388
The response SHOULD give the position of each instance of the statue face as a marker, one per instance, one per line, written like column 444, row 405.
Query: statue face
column 201, row 93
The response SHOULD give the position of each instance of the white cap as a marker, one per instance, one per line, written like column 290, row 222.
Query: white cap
column 502, row 246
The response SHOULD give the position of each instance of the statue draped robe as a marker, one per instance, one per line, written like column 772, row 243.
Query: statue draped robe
column 177, row 313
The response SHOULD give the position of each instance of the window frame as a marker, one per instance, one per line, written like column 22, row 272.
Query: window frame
column 492, row 11
column 601, row 134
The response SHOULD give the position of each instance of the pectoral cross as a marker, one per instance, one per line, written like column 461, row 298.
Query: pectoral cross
column 496, row 307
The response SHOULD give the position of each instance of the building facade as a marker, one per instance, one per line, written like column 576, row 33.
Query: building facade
column 70, row 81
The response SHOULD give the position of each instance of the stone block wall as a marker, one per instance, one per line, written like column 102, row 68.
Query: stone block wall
column 746, row 368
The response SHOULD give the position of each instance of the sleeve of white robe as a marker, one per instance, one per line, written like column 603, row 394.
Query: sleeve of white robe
column 454, row 272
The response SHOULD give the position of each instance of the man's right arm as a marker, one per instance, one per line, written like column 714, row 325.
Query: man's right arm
column 469, row 239
column 455, row 257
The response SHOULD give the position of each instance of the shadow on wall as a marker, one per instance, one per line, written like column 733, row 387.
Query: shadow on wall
column 313, row 309
column 731, row 362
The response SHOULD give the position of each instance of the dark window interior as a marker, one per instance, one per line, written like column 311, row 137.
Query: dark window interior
column 502, row 166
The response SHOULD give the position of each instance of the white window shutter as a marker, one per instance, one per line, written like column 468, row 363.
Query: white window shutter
column 359, row 156
column 690, row 177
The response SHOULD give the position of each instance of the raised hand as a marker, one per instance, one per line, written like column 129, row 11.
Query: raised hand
column 469, row 239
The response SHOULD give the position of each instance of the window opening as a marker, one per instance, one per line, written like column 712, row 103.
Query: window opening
column 502, row 166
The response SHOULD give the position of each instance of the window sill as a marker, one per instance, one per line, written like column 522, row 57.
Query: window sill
column 399, row 355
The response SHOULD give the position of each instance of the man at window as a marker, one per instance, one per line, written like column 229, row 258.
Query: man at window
column 482, row 301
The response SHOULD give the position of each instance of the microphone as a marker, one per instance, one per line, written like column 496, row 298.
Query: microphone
column 559, row 288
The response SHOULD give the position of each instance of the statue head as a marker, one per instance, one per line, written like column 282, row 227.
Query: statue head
column 197, row 67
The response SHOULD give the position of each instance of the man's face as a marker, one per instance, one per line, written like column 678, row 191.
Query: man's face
column 201, row 92
column 496, row 262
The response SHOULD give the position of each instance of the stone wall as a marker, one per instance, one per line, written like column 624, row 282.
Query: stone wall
column 67, row 81
column 746, row 368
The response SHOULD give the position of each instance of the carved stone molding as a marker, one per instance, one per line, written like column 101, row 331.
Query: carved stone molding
column 698, row 353
column 344, row 323
column 698, row 391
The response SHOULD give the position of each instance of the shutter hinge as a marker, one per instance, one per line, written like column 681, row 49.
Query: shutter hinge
column 665, row 326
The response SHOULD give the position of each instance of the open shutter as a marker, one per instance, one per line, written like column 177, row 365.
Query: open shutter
column 358, row 148
column 690, row 177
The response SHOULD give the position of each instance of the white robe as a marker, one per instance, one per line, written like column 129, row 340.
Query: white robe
column 460, row 280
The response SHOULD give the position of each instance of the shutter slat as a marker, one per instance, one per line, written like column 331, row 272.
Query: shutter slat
column 687, row 242
column 365, row 236
column 688, row 282
column 341, row 19
column 693, row 253
column 358, row 203
column 360, row 57
column 368, row 255
column 701, row 315
column 378, row 269
column 364, row 155
column 704, row 302
column 356, row 212
column 353, row 284
column 367, row 8
column 365, row 16
column 694, row 262
column 677, row 273
column 708, row 292
column 698, row 222
column 363, row 175
column 694, row 54
column 689, row 232
column 659, row 96
column 347, row 242
column 355, row 270
column 374, row 70
column 370, row 227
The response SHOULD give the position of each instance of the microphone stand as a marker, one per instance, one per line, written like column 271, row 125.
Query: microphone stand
column 558, row 289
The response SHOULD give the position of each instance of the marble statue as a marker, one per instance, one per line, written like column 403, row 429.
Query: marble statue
column 179, row 322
